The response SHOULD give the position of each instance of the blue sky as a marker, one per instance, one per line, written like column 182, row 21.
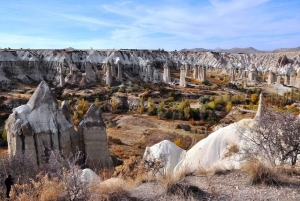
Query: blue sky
column 141, row 24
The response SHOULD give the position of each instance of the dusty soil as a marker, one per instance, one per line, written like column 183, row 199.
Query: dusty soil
column 138, row 131
column 233, row 185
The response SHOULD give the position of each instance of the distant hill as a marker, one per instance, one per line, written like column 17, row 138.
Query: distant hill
column 247, row 50
column 296, row 49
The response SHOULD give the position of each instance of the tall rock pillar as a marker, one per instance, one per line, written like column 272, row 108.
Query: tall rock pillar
column 195, row 73
column 182, row 82
column 61, row 77
column 167, row 74
column 93, row 130
column 108, row 75
column 119, row 72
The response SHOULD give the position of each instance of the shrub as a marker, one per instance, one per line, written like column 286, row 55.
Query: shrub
column 206, row 82
column 83, row 105
column 261, row 173
column 151, row 107
column 192, row 122
column 171, row 99
column 204, row 99
column 178, row 143
column 59, row 102
column 228, row 106
column 122, row 89
column 254, row 98
column 97, row 102
column 211, row 105
column 214, row 86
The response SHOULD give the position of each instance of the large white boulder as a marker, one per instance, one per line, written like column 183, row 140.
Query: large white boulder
column 221, row 149
column 89, row 177
column 167, row 153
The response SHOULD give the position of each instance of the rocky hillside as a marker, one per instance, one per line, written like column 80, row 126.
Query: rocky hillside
column 36, row 65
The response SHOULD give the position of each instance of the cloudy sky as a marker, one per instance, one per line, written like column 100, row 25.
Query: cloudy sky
column 142, row 24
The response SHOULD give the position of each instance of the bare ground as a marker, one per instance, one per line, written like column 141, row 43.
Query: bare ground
column 138, row 131
column 233, row 185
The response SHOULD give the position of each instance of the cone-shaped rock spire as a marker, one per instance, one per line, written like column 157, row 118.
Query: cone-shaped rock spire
column 261, row 107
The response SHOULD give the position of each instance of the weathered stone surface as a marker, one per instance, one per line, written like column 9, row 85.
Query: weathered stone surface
column 93, row 130
column 182, row 81
column 81, row 68
column 38, row 127
column 167, row 73
column 41, row 126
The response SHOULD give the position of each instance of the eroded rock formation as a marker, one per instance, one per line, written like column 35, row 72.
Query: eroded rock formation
column 93, row 130
column 41, row 126
column 82, row 68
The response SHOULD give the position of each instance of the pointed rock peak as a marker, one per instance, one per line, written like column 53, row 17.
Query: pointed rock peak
column 93, row 118
column 261, row 107
column 42, row 95
column 66, row 107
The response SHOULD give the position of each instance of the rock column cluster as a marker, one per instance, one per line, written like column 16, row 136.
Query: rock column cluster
column 41, row 126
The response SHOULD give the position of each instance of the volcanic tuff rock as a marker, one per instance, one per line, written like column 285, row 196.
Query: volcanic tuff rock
column 86, row 67
column 222, row 149
column 41, row 126
column 93, row 132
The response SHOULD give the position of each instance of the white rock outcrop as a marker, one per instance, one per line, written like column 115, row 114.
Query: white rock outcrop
column 167, row 153
column 222, row 149
column 41, row 126
column 38, row 127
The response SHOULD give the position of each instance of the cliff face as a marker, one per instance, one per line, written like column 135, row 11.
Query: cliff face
column 86, row 67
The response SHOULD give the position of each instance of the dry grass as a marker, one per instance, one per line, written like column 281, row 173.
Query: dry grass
column 232, row 150
column 261, row 173
column 111, row 189
column 289, row 170
column 175, row 186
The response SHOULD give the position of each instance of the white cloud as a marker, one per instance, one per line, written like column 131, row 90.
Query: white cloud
column 168, row 25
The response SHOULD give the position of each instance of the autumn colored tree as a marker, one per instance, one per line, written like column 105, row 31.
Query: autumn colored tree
column 228, row 106
column 254, row 98
column 151, row 107
column 178, row 143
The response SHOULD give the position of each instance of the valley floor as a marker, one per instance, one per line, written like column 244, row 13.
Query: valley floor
column 233, row 185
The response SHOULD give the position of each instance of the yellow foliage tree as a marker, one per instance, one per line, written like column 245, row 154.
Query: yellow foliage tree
column 151, row 107
column 114, row 103
column 218, row 100
column 59, row 102
column 211, row 105
column 97, row 102
column 228, row 106
column 226, row 97
column 214, row 86
column 254, row 98
column 82, row 105
column 178, row 143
